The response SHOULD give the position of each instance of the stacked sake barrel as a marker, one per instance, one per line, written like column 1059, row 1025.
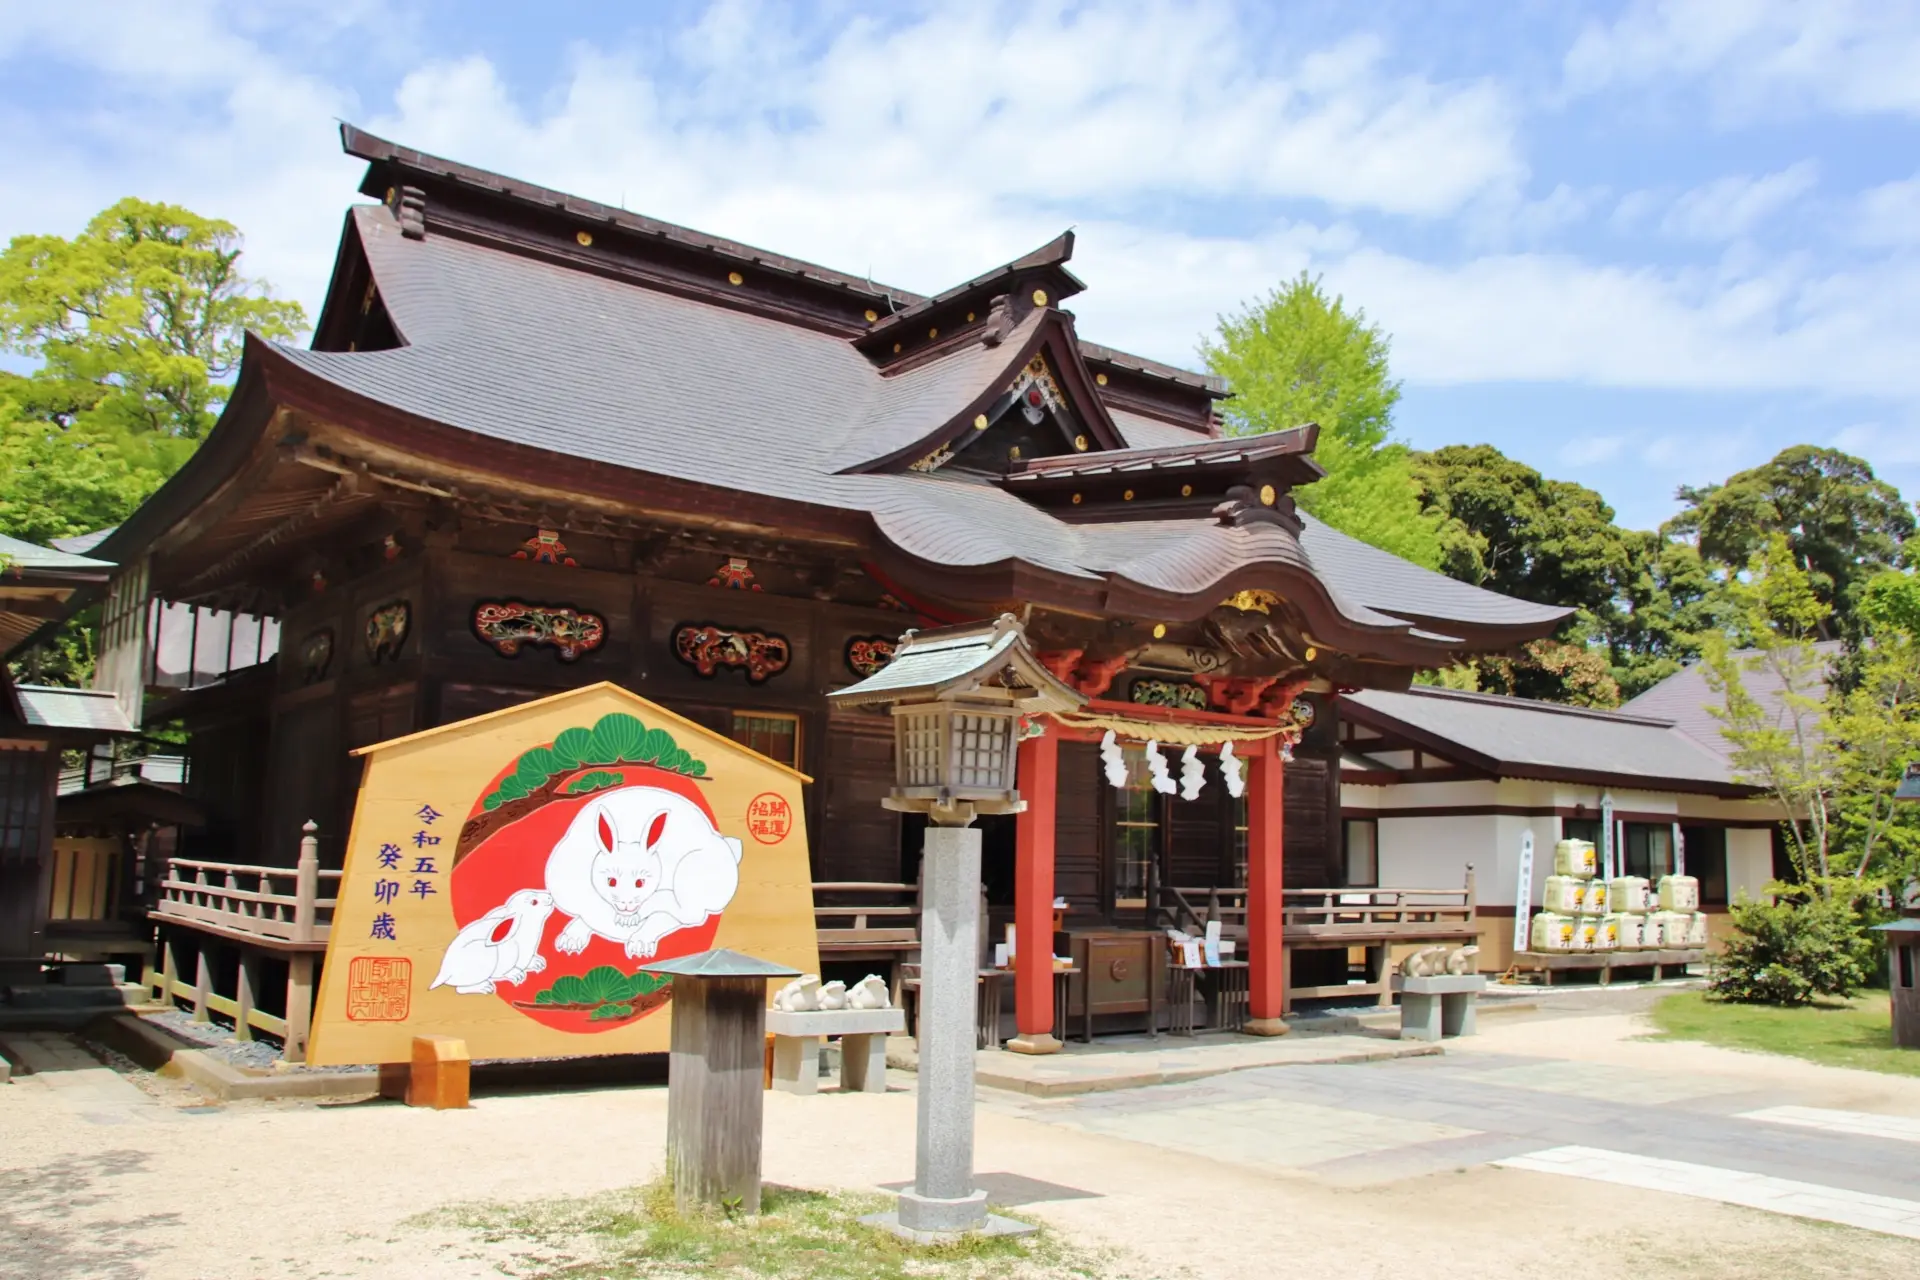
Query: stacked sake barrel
column 1573, row 914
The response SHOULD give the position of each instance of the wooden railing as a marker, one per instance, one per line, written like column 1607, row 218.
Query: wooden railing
column 264, row 911
column 268, row 905
column 1332, row 915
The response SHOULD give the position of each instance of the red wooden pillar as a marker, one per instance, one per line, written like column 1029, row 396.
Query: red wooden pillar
column 1039, row 777
column 1267, row 960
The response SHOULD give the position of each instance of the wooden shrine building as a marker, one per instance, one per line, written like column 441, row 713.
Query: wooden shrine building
column 539, row 442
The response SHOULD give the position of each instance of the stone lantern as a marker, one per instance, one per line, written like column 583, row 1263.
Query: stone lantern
column 1909, row 788
column 959, row 696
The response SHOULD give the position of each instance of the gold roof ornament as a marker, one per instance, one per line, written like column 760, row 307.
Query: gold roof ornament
column 1253, row 600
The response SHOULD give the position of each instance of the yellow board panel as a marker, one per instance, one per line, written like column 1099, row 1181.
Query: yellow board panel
column 507, row 876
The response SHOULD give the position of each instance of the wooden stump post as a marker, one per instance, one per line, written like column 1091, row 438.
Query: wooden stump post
column 715, row 1069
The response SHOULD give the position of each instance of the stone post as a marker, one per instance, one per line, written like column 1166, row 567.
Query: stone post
column 943, row 1197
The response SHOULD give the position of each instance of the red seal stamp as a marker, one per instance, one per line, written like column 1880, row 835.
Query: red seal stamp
column 379, row 988
column 769, row 817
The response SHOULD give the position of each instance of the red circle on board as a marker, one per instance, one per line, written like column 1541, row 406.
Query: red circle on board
column 514, row 857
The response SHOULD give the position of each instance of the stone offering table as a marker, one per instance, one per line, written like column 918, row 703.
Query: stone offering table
column 1434, row 1007
column 863, row 1047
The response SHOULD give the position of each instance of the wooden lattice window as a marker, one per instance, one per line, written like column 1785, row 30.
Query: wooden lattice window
column 23, row 785
column 774, row 734
column 1136, row 831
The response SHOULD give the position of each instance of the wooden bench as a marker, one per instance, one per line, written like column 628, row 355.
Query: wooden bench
column 867, row 920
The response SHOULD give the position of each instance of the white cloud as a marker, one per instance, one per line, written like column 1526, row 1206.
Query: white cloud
column 1761, row 57
column 1731, row 207
column 1587, row 451
column 1886, row 444
column 1889, row 214
column 926, row 151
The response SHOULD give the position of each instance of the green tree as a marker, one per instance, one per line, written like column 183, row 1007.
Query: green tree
column 1781, row 740
column 1876, row 721
column 137, row 322
column 1842, row 523
column 1297, row 356
column 133, row 330
column 1508, row 528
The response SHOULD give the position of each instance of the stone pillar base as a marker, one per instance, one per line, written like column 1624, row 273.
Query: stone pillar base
column 1265, row 1027
column 924, row 1213
column 1041, row 1043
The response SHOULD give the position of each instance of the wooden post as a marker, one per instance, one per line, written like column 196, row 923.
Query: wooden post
column 244, row 999
column 169, row 970
column 714, row 1091
column 202, row 984
column 1039, row 773
column 1266, row 903
column 299, row 1005
column 306, row 883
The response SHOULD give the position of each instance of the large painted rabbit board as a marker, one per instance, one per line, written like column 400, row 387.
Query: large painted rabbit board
column 507, row 876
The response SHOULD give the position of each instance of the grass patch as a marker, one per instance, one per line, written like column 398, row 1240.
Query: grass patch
column 1853, row 1033
column 625, row 1235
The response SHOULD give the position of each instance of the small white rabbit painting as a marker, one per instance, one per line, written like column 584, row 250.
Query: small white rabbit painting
column 501, row 946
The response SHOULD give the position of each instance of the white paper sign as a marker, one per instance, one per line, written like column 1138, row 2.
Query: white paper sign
column 1679, row 851
column 1190, row 953
column 1607, row 851
column 1523, row 892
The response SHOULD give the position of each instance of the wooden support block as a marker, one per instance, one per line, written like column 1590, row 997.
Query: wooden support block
column 393, row 1080
column 440, row 1075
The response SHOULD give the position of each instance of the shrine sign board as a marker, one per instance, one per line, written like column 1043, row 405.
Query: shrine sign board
column 507, row 876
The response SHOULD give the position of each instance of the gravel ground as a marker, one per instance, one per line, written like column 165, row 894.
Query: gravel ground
column 99, row 1181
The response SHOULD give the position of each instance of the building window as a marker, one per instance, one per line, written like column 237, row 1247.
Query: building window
column 1136, row 831
column 1360, row 852
column 1649, row 850
column 1587, row 829
column 774, row 734
column 1706, row 855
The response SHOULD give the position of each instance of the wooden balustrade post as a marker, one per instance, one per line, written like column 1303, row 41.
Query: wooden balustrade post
column 202, row 984
column 243, row 1019
column 299, row 1005
column 169, row 970
column 307, row 882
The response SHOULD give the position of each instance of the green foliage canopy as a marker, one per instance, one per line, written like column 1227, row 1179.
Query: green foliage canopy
column 1298, row 356
column 1841, row 522
column 134, row 326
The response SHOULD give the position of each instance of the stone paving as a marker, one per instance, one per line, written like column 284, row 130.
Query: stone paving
column 1381, row 1122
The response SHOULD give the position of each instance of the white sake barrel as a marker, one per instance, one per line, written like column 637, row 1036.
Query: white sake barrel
column 1679, row 893
column 1586, row 930
column 1697, row 929
column 1669, row 928
column 1575, row 858
column 1606, row 933
column 1552, row 932
column 1593, row 898
column 1564, row 895
column 1629, row 893
column 1632, row 930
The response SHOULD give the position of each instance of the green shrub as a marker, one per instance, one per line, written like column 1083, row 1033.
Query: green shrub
column 1793, row 949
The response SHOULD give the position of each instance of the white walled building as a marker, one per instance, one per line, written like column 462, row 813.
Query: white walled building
column 1435, row 780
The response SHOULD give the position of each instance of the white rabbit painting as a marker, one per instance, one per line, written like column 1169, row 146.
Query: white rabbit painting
column 637, row 864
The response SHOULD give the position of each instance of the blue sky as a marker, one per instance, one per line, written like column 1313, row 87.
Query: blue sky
column 1636, row 244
